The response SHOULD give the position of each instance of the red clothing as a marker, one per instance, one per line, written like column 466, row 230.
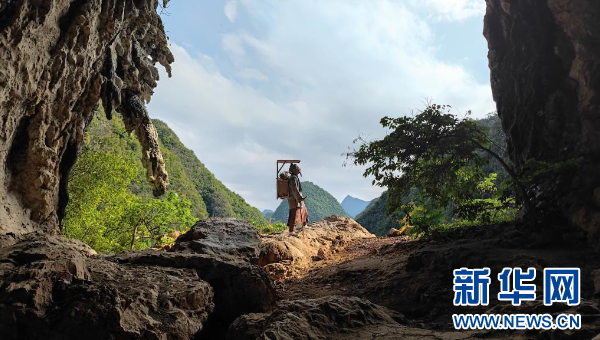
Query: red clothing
column 297, row 216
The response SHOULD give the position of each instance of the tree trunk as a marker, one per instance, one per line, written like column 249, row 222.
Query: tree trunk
column 133, row 237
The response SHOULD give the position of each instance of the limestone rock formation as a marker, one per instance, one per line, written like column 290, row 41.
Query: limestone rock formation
column 282, row 254
column 223, row 252
column 65, row 290
column 226, row 239
column 333, row 317
column 58, row 59
column 55, row 288
column 544, row 58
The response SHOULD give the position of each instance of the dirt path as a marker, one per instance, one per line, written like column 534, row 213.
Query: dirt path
column 343, row 271
column 415, row 277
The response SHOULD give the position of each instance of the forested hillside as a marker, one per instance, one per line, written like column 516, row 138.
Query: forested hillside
column 319, row 202
column 375, row 217
column 186, row 172
column 111, row 204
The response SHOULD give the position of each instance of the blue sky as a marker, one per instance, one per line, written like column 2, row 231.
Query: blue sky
column 257, row 80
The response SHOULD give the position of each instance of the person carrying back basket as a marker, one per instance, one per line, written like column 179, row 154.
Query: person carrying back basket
column 298, row 216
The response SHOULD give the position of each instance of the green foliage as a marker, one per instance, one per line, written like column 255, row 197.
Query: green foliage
column 155, row 220
column 103, row 211
column 187, row 172
column 447, row 161
column 488, row 203
column 110, row 198
column 319, row 203
column 433, row 151
column 505, row 215
column 273, row 228
column 375, row 218
column 423, row 215
column 493, row 127
column 98, row 199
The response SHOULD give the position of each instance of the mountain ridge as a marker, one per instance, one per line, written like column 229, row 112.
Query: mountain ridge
column 187, row 175
column 354, row 206
column 219, row 200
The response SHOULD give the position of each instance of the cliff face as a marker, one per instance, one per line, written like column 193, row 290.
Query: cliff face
column 57, row 60
column 544, row 58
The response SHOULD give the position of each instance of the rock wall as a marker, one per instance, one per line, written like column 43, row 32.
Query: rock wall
column 544, row 58
column 52, row 287
column 58, row 59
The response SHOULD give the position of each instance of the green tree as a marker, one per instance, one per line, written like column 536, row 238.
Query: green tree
column 103, row 213
column 107, row 209
column 99, row 199
column 432, row 151
column 153, row 222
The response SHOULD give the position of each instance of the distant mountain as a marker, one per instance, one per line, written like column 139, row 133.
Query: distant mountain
column 268, row 214
column 375, row 219
column 319, row 202
column 353, row 205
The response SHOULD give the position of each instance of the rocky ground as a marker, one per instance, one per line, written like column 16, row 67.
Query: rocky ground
column 224, row 280
column 414, row 277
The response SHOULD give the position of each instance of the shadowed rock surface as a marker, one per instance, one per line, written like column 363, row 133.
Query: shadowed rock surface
column 57, row 60
column 226, row 239
column 238, row 288
column 333, row 317
column 55, row 288
column 544, row 58
column 66, row 291
column 222, row 252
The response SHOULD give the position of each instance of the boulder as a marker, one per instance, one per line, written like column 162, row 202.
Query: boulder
column 225, row 239
column 56, row 288
column 332, row 317
column 222, row 252
column 393, row 232
column 310, row 319
column 238, row 289
column 318, row 241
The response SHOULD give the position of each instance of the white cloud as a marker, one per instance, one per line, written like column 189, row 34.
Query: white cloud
column 303, row 80
column 232, row 43
column 252, row 74
column 231, row 10
column 452, row 10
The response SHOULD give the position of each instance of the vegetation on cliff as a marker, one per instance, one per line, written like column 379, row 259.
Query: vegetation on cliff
column 112, row 207
column 439, row 170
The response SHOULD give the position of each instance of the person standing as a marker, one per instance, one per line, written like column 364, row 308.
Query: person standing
column 298, row 213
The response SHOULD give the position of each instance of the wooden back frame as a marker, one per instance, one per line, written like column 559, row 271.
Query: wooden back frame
column 280, row 182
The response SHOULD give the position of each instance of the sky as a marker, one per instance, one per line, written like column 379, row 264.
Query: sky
column 259, row 80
